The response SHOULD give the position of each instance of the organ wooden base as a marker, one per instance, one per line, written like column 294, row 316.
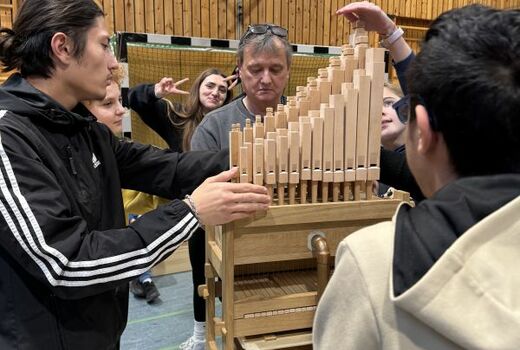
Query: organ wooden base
column 269, row 277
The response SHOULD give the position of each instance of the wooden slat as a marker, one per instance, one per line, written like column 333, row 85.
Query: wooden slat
column 196, row 22
column 140, row 21
column 205, row 18
column 108, row 8
column 213, row 9
column 326, row 22
column 285, row 14
column 299, row 21
column 119, row 15
column 306, row 22
column 333, row 22
column 277, row 14
column 178, row 18
column 313, row 9
column 319, row 23
column 154, row 16
column 129, row 15
column 231, row 20
column 312, row 213
column 292, row 21
column 261, row 11
column 186, row 16
column 342, row 26
column 269, row 11
column 166, row 20
column 222, row 20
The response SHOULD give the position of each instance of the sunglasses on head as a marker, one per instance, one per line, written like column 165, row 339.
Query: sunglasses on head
column 259, row 29
column 406, row 105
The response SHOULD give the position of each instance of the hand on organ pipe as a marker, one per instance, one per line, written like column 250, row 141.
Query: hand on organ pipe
column 217, row 201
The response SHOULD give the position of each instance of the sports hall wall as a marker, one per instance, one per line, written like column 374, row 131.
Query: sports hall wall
column 309, row 21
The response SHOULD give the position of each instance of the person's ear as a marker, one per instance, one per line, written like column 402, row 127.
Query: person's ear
column 61, row 47
column 426, row 137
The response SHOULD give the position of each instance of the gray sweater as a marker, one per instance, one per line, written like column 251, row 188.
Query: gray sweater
column 213, row 132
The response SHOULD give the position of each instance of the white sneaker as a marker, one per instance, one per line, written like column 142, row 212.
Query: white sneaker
column 192, row 344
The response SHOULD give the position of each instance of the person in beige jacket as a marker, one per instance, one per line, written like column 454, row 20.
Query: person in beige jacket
column 443, row 275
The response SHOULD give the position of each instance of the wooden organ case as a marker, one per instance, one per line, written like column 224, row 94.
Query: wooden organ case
column 318, row 156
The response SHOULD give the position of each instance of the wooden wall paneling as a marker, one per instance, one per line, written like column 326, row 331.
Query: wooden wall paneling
column 108, row 9
column 129, row 15
column 231, row 19
column 384, row 5
column 326, row 22
column 415, row 9
column 333, row 22
column 246, row 16
column 158, row 15
column 166, row 19
column 6, row 14
column 261, row 11
column 222, row 25
column 15, row 4
column 186, row 18
column 119, row 15
column 308, row 21
column 176, row 16
column 292, row 21
column 213, row 9
column 319, row 23
column 253, row 12
column 139, row 15
column 205, row 18
column 306, row 39
column 277, row 13
column 196, row 22
column 285, row 14
column 269, row 11
column 299, row 22
column 425, row 9
column 342, row 26
column 313, row 9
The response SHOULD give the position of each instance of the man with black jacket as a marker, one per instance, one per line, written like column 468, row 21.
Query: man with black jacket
column 65, row 254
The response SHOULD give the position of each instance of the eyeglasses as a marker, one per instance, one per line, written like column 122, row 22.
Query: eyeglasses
column 402, row 108
column 259, row 29
column 406, row 106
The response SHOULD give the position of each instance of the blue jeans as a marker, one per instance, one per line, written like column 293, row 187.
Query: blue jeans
column 144, row 276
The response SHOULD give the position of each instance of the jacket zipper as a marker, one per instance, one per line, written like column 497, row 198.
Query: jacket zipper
column 71, row 161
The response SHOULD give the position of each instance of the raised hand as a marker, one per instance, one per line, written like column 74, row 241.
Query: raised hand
column 166, row 86
column 234, row 80
column 372, row 16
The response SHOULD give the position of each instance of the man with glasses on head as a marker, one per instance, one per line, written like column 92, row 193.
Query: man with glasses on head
column 442, row 275
column 264, row 61
column 263, row 64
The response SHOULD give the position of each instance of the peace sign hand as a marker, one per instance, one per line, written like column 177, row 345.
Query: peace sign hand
column 166, row 86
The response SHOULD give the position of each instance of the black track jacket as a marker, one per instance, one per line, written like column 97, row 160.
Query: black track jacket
column 65, row 253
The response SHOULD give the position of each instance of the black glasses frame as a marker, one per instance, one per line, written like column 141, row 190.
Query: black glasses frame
column 259, row 29
column 406, row 106
column 402, row 108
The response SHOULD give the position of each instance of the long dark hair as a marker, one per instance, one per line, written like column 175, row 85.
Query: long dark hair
column 27, row 46
column 190, row 112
